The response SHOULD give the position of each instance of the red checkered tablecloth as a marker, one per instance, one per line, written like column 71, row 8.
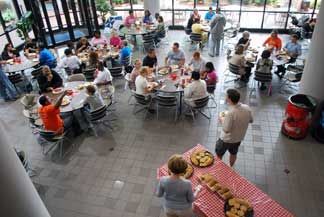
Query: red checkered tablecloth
column 211, row 205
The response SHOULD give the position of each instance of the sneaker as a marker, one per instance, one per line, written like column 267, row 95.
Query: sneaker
column 211, row 55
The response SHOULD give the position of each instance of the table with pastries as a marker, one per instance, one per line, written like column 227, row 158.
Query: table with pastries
column 20, row 64
column 209, row 203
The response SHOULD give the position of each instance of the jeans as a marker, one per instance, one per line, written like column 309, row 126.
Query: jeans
column 214, row 44
column 7, row 90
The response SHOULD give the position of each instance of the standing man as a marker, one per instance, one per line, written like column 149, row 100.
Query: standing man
column 217, row 25
column 235, row 123
column 7, row 90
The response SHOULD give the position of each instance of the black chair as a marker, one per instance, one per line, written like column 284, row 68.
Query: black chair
column 89, row 74
column 261, row 77
column 116, row 72
column 166, row 102
column 199, row 106
column 291, row 79
column 99, row 117
column 52, row 140
column 143, row 102
column 148, row 41
column 196, row 39
column 211, row 92
column 188, row 31
column 126, row 61
column 234, row 72
column 15, row 79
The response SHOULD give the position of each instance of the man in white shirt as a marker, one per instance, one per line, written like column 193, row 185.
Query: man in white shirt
column 70, row 61
column 103, row 76
column 141, row 83
column 195, row 90
column 235, row 123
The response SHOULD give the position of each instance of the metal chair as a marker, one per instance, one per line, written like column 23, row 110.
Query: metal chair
column 199, row 106
column 116, row 72
column 196, row 39
column 142, row 101
column 234, row 72
column 15, row 79
column 292, row 77
column 148, row 41
column 77, row 77
column 166, row 102
column 211, row 92
column 35, row 73
column 129, row 84
column 263, row 78
column 98, row 117
column 52, row 140
column 126, row 61
column 89, row 74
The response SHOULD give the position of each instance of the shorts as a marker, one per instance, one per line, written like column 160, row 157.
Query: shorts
column 179, row 213
column 222, row 147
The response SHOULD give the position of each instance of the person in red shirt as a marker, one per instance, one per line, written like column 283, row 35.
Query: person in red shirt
column 273, row 42
column 50, row 114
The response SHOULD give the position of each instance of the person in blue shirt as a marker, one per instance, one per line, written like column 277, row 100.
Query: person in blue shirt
column 293, row 50
column 7, row 90
column 209, row 15
column 46, row 57
column 124, row 52
column 148, row 18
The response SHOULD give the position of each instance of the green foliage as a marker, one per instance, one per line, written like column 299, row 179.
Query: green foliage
column 24, row 25
column 8, row 15
column 318, row 4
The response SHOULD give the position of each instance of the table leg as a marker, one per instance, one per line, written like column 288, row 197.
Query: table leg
column 180, row 107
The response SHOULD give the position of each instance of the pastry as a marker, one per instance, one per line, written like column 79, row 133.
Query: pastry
column 227, row 195
column 223, row 190
column 233, row 210
column 231, row 202
column 212, row 182
column 188, row 172
column 243, row 208
column 206, row 177
column 237, row 205
column 240, row 213
column 229, row 214
column 243, row 202
column 201, row 158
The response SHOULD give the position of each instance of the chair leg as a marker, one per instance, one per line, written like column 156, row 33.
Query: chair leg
column 176, row 114
column 157, row 111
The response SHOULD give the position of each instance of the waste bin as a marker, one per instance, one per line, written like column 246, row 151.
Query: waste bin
column 298, row 116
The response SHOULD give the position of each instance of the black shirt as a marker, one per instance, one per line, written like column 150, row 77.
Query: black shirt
column 43, row 83
column 243, row 41
column 150, row 62
column 79, row 45
column 31, row 46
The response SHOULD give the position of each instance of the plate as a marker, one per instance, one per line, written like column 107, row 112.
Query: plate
column 189, row 172
column 66, row 100
column 202, row 158
column 57, row 90
column 173, row 67
column 163, row 71
column 35, row 60
column 227, row 208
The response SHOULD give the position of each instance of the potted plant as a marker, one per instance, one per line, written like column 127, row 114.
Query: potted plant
column 8, row 16
column 24, row 25
column 104, row 8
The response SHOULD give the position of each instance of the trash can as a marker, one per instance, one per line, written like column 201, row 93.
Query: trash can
column 298, row 116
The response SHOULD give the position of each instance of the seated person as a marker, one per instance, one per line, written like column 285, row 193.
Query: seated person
column 264, row 65
column 273, row 42
column 82, row 45
column 30, row 46
column 50, row 115
column 293, row 50
column 9, row 52
column 102, row 75
column 191, row 21
column 197, row 62
column 148, row 18
column 115, row 40
column 198, row 28
column 70, row 61
column 150, row 59
column 49, row 80
column 125, row 52
column 160, row 29
column 238, row 59
column 195, row 15
column 46, row 57
column 136, row 70
column 93, row 59
column 130, row 19
column 309, row 27
column 245, row 40
column 175, row 56
column 71, row 46
column 209, row 15
column 210, row 75
column 197, row 89
column 94, row 100
column 98, row 39
column 141, row 84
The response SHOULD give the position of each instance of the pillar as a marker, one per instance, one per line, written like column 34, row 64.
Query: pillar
column 18, row 195
column 152, row 5
column 313, row 76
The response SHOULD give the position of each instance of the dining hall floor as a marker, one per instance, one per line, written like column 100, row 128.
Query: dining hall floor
column 93, row 181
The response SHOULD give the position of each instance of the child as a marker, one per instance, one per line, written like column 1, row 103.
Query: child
column 210, row 75
column 264, row 66
column 176, row 191
column 94, row 100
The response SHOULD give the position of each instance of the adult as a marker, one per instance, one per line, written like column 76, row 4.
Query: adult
column 46, row 57
column 30, row 46
column 238, row 60
column 70, row 61
column 234, row 126
column 273, row 42
column 82, row 45
column 198, row 28
column 136, row 70
column 130, row 19
column 217, row 25
column 115, row 40
column 141, row 83
column 93, row 59
column 150, row 59
column 293, row 50
column 209, row 15
column 71, row 46
column 98, row 39
column 244, row 40
column 197, row 89
column 49, row 80
column 197, row 62
column 176, row 56
column 210, row 75
column 196, row 15
column 160, row 29
column 102, row 75
column 264, row 66
column 7, row 90
column 148, row 18
column 9, row 52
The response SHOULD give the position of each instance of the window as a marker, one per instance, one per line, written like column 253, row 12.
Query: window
column 251, row 20
column 8, row 12
column 120, row 4
column 4, row 41
column 183, row 4
column 253, row 5
column 230, row 4
column 274, row 20
column 205, row 4
column 138, row 4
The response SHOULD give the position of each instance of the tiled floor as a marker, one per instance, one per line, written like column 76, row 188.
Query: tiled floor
column 96, row 182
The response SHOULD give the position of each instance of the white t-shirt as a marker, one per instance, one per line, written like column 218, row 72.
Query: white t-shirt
column 196, row 90
column 103, row 77
column 71, row 62
column 141, row 84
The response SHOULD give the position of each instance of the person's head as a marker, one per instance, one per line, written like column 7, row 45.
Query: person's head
column 138, row 64
column 93, row 58
column 100, row 66
column 41, row 46
column 68, row 52
column 175, row 47
column 274, row 33
column 210, row 9
column 232, row 96
column 43, row 100
column 84, row 41
column 151, row 53
column 177, row 165
column 144, row 71
column 91, row 89
column 113, row 33
column 147, row 13
column 70, row 44
column 246, row 35
column 97, row 34
column 8, row 47
column 125, row 43
column 160, row 19
column 195, row 75
column 47, row 73
column 239, row 49
column 195, row 11
column 294, row 38
column 209, row 67
column 266, row 54
column 156, row 16
column 131, row 12
column 218, row 10
column 196, row 55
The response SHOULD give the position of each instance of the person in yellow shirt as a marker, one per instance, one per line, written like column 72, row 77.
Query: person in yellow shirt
column 198, row 28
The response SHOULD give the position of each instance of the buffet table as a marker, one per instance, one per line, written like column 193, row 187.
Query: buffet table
column 209, row 204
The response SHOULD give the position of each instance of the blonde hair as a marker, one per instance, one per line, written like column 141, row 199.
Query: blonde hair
column 144, row 70
column 177, row 165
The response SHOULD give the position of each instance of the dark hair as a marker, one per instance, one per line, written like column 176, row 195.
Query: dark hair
column 91, row 89
column 265, row 54
column 210, row 8
column 6, row 46
column 150, row 50
column 70, row 44
column 176, row 44
column 100, row 66
column 161, row 18
column 68, row 52
column 148, row 12
column 295, row 36
column 195, row 75
column 210, row 67
column 275, row 31
column 42, row 100
column 177, row 165
column 218, row 9
column 93, row 58
column 97, row 32
column 125, row 43
column 41, row 45
column 156, row 15
column 233, row 95
column 130, row 11
column 239, row 49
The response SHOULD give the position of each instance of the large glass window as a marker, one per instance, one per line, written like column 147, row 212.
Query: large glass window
column 205, row 4
column 8, row 12
column 230, row 4
column 138, row 4
column 251, row 20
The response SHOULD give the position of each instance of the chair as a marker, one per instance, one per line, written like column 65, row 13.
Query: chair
column 15, row 79
column 166, row 102
column 148, row 41
column 164, row 39
column 199, row 106
column 116, row 72
column 129, row 84
column 98, row 117
column 211, row 92
column 142, row 101
column 263, row 78
column 126, row 61
column 292, row 77
column 68, row 71
column 29, row 111
column 89, row 74
column 196, row 39
column 232, row 71
column 77, row 77
column 52, row 140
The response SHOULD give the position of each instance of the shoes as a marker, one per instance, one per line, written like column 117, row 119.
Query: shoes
column 211, row 55
column 263, row 87
column 152, row 111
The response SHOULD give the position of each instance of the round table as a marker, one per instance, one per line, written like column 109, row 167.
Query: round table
column 142, row 30
column 103, row 55
column 17, row 67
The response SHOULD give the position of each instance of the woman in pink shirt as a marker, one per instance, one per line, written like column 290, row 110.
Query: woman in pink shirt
column 98, row 39
column 130, row 19
column 210, row 75
column 115, row 40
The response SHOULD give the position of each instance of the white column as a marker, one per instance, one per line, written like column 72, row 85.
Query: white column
column 152, row 5
column 313, row 76
column 18, row 195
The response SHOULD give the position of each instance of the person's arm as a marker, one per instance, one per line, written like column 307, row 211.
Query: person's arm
column 166, row 60
column 266, row 41
column 43, row 84
column 279, row 44
column 58, row 102
column 227, row 123
column 190, row 195
column 159, row 190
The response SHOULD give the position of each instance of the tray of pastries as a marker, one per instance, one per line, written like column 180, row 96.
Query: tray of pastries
column 202, row 158
column 188, row 173
column 236, row 207
column 214, row 186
